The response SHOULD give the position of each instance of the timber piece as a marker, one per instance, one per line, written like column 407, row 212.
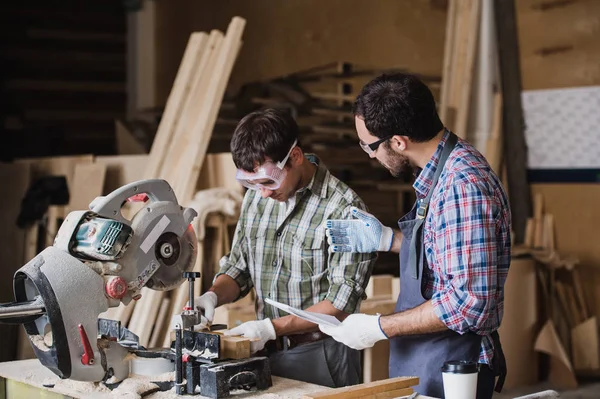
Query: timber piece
column 235, row 347
column 366, row 390
column 577, row 286
column 512, row 116
column 448, row 59
column 192, row 105
column 548, row 236
column 538, row 237
column 379, row 286
column 194, row 155
column 177, row 97
column 88, row 181
column 584, row 345
column 493, row 149
column 160, row 321
column 466, row 79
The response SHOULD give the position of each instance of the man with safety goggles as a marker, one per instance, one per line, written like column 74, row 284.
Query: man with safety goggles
column 280, row 249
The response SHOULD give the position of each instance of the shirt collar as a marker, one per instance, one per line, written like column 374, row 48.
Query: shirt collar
column 318, row 183
column 424, row 179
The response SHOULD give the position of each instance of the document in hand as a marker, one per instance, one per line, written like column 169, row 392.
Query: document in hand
column 313, row 317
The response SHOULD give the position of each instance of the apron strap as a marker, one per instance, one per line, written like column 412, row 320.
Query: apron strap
column 498, row 362
column 423, row 207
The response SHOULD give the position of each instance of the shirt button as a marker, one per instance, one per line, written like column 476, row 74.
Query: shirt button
column 274, row 263
column 279, row 234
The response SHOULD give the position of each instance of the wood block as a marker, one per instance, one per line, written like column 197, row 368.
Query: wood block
column 88, row 183
column 395, row 288
column 584, row 345
column 378, row 306
column 376, row 362
column 235, row 347
column 380, row 286
column 366, row 390
column 520, row 323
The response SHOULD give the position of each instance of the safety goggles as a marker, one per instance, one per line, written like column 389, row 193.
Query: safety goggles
column 269, row 175
column 372, row 147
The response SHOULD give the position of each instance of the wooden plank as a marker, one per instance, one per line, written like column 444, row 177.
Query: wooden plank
column 512, row 116
column 177, row 98
column 584, row 345
column 379, row 286
column 88, row 182
column 160, row 320
column 376, row 362
column 493, row 149
column 472, row 34
column 195, row 153
column 448, row 59
column 365, row 390
column 538, row 205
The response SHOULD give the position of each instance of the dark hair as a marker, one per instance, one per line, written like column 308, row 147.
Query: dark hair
column 398, row 104
column 266, row 133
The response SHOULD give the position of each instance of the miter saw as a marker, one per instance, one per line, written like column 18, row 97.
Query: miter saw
column 99, row 260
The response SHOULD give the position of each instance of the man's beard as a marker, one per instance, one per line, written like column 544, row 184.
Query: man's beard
column 397, row 164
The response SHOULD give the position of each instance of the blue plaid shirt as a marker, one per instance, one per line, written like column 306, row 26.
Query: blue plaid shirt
column 467, row 243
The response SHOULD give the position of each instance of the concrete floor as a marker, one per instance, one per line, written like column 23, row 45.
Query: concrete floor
column 585, row 391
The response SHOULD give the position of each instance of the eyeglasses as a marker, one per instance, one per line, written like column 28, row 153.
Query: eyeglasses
column 371, row 148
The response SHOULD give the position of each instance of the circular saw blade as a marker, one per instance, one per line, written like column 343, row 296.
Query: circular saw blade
column 170, row 273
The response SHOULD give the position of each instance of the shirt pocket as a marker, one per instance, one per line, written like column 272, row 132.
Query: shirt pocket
column 310, row 245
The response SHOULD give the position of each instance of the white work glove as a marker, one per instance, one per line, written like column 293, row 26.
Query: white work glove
column 206, row 304
column 363, row 235
column 358, row 331
column 261, row 331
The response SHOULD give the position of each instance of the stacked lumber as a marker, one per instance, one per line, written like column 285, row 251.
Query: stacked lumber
column 179, row 148
column 570, row 334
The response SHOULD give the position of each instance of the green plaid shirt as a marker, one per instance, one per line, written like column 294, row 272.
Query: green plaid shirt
column 283, row 253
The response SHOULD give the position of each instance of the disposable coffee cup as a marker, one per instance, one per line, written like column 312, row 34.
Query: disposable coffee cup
column 460, row 379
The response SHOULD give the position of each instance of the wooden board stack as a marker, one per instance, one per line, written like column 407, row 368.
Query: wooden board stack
column 180, row 145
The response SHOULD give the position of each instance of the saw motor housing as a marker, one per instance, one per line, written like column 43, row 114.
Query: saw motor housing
column 99, row 260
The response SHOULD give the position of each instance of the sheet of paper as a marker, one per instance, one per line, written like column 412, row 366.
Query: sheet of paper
column 313, row 317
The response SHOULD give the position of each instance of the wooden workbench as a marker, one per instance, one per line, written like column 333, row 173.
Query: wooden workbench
column 26, row 379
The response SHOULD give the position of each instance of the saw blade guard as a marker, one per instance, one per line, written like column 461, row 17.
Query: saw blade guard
column 163, row 245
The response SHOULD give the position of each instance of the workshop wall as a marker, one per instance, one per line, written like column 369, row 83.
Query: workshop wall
column 558, row 39
column 287, row 36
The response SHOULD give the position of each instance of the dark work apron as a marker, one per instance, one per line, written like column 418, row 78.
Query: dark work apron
column 423, row 355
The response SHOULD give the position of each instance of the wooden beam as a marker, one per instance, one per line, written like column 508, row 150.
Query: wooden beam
column 366, row 390
column 513, row 120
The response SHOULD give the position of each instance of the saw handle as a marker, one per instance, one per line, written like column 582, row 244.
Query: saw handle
column 110, row 205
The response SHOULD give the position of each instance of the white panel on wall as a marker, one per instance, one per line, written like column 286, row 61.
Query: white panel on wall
column 563, row 128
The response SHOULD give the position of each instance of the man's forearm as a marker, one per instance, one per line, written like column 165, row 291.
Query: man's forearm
column 294, row 325
column 397, row 241
column 226, row 288
column 419, row 320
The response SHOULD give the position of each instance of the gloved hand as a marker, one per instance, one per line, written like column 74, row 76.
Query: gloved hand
column 358, row 331
column 364, row 235
column 259, row 330
column 206, row 304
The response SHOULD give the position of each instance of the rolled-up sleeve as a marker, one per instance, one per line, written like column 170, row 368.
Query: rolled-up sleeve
column 235, row 264
column 465, row 241
column 348, row 273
